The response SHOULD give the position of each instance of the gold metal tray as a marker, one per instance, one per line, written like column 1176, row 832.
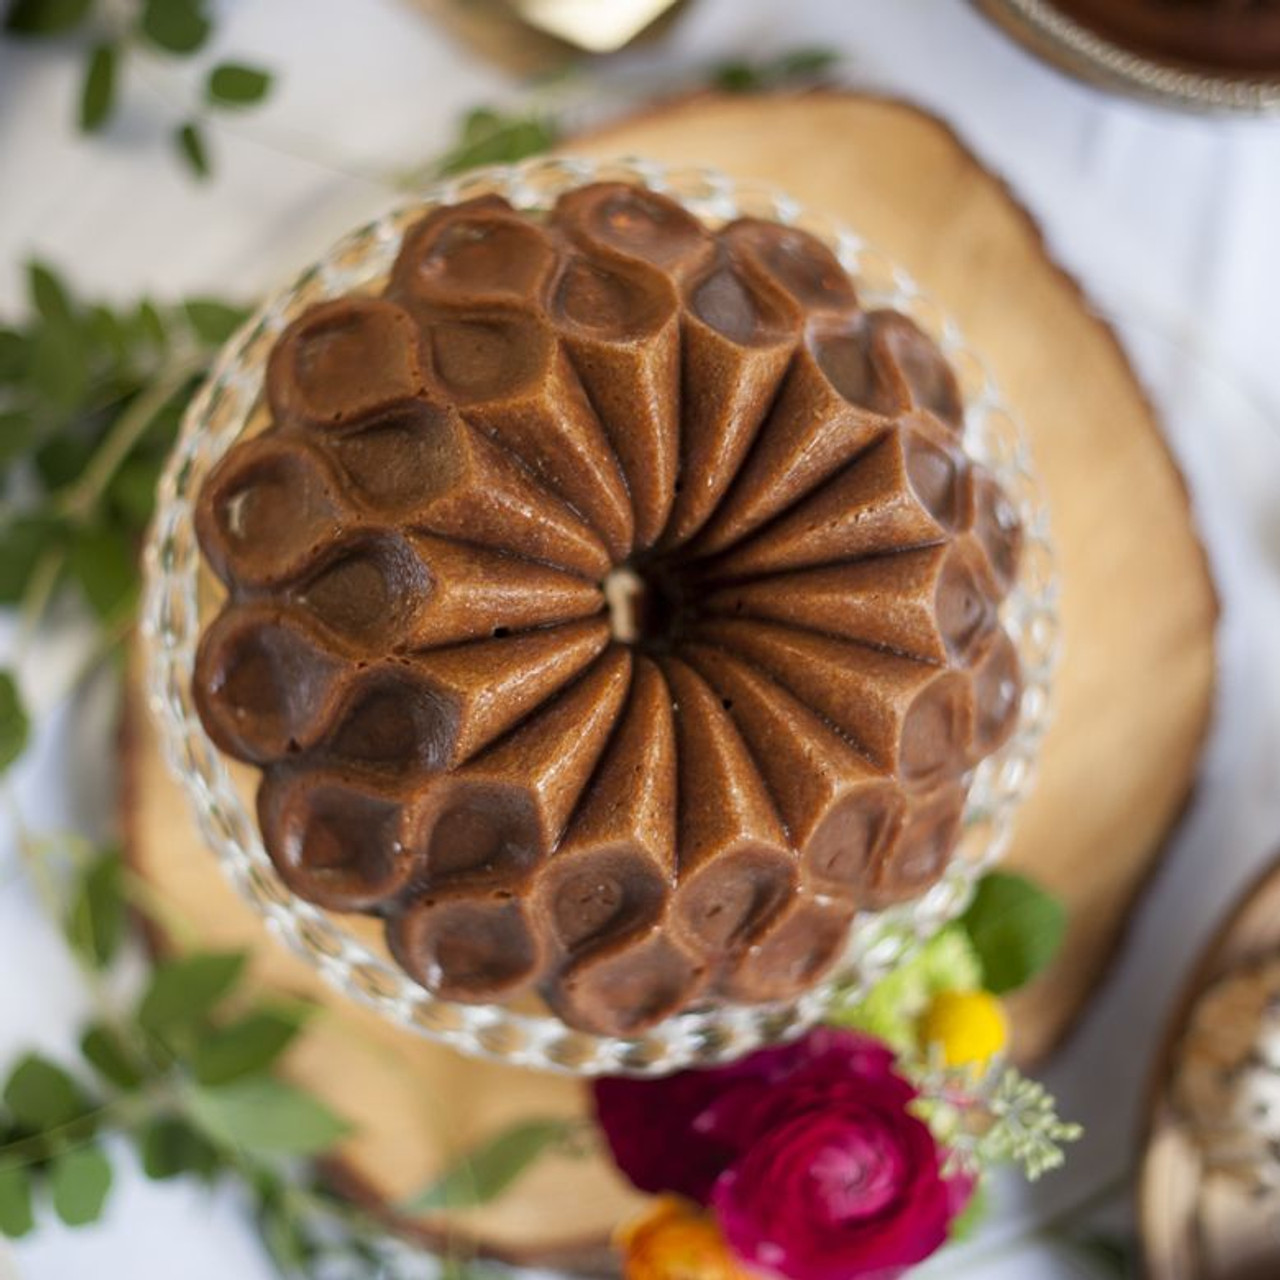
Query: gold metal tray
column 1073, row 47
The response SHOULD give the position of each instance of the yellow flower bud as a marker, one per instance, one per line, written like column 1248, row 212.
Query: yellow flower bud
column 675, row 1240
column 969, row 1027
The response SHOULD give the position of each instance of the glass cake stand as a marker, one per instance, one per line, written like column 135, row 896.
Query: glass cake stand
column 176, row 606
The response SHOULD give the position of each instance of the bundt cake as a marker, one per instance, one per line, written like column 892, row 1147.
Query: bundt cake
column 610, row 607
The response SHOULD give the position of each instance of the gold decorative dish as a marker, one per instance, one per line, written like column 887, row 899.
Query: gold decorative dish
column 1053, row 35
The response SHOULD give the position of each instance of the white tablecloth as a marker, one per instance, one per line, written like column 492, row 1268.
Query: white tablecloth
column 1171, row 222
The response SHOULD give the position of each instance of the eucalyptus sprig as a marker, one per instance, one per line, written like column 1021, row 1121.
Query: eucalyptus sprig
column 90, row 401
column 185, row 1070
column 186, row 1073
column 120, row 32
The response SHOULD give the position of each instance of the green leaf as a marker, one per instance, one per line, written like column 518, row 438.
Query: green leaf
column 245, row 1047
column 96, row 924
column 214, row 321
column 177, row 26
column 1016, row 929
column 106, row 329
column 806, row 63
column 22, row 543
column 148, row 324
column 18, row 432
column 15, row 727
column 171, row 1147
column 183, row 991
column 191, row 147
column 45, row 17
column 737, row 77
column 264, row 1115
column 741, row 76
column 970, row 1218
column 233, row 84
column 15, row 355
column 485, row 1173
column 16, row 1218
column 61, row 460
column 98, row 95
column 286, row 1238
column 491, row 138
column 102, row 560
column 49, row 295
column 105, row 1050
column 59, row 369
column 480, row 122
column 163, row 429
column 40, row 1095
column 132, row 491
column 79, row 1181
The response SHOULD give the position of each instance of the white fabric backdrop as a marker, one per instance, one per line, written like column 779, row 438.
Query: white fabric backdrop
column 1169, row 220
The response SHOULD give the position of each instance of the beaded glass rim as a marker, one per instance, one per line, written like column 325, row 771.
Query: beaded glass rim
column 171, row 626
column 1085, row 53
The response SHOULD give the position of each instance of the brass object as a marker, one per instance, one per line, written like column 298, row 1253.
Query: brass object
column 1048, row 32
column 534, row 37
column 596, row 26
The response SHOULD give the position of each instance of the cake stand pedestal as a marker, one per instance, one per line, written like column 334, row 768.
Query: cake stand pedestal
column 1133, row 692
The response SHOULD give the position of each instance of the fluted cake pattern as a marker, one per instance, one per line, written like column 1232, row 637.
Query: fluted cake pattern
column 611, row 607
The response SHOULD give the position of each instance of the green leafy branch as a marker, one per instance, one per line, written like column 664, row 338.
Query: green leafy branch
column 168, row 28
column 187, row 1074
column 90, row 401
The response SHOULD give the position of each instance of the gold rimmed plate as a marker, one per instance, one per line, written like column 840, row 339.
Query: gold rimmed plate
column 1073, row 47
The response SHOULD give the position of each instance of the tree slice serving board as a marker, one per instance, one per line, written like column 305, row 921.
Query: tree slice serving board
column 1133, row 694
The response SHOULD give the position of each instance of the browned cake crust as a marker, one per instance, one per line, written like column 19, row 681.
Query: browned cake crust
column 611, row 607
column 1227, row 35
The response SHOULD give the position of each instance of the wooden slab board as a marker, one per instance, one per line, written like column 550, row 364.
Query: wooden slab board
column 1133, row 696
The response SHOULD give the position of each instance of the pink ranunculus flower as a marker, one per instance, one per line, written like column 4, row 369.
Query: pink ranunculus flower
column 809, row 1156
column 652, row 1125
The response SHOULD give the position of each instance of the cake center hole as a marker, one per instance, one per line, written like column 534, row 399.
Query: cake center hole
column 643, row 607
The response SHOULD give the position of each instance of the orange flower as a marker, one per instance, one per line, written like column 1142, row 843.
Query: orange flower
column 675, row 1240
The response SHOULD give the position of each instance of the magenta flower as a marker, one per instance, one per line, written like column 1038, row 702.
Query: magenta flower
column 809, row 1156
column 652, row 1126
